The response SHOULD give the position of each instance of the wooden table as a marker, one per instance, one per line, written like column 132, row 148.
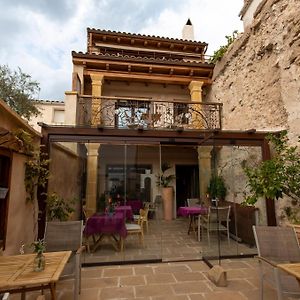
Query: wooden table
column 192, row 212
column 292, row 269
column 17, row 275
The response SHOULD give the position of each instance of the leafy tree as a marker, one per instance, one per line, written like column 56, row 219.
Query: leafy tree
column 18, row 90
column 278, row 176
column 218, row 54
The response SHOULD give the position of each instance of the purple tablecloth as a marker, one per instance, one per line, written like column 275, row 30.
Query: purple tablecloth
column 191, row 210
column 105, row 224
column 126, row 210
column 136, row 205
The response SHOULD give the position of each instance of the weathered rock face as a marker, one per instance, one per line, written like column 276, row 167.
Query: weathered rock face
column 258, row 80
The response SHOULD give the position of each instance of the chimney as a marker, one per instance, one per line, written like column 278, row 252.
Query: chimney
column 188, row 31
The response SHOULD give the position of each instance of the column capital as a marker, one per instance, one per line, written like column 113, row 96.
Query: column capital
column 92, row 149
column 97, row 79
column 195, row 85
column 195, row 88
column 204, row 152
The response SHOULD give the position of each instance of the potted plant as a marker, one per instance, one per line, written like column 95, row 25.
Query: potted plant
column 164, row 181
column 216, row 188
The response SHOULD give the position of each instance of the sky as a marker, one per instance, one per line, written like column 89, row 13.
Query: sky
column 39, row 35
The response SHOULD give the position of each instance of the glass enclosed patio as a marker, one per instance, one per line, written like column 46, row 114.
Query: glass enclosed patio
column 103, row 168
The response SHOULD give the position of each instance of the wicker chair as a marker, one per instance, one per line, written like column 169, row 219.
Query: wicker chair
column 63, row 236
column 277, row 245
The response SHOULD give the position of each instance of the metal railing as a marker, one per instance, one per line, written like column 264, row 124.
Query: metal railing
column 129, row 113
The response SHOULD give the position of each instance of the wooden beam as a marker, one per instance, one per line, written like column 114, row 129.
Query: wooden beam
column 151, row 77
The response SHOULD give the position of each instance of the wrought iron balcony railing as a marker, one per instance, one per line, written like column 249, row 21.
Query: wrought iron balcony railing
column 113, row 112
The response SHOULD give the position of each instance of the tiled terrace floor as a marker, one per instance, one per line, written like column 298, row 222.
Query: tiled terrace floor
column 168, row 241
column 174, row 281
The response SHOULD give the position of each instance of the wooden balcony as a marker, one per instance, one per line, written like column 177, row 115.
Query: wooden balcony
column 129, row 113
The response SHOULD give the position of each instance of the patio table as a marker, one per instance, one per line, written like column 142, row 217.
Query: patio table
column 17, row 275
column 110, row 225
column 126, row 210
column 192, row 212
column 292, row 269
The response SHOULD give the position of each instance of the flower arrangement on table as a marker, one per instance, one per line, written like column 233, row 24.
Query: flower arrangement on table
column 38, row 246
column 110, row 208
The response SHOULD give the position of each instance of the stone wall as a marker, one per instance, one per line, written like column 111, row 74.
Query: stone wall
column 258, row 80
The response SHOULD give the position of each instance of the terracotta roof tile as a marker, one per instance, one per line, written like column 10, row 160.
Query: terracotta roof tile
column 138, row 35
column 137, row 58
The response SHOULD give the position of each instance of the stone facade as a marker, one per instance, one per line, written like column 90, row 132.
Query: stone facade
column 258, row 80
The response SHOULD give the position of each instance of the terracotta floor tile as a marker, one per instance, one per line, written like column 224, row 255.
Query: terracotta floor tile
column 116, row 293
column 160, row 278
column 153, row 290
column 132, row 280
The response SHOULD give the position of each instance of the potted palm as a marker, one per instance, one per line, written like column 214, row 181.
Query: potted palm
column 167, row 194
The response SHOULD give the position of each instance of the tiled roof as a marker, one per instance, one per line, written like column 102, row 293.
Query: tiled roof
column 136, row 58
column 138, row 35
column 46, row 101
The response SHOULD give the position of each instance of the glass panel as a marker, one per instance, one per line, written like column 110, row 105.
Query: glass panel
column 142, row 165
column 217, row 242
column 110, row 180
column 179, row 232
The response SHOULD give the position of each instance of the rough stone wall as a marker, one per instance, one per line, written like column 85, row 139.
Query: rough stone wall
column 258, row 80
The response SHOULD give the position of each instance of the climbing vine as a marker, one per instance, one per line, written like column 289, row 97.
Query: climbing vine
column 218, row 54
column 36, row 174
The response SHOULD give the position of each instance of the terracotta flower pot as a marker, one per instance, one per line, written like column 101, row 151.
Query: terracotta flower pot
column 167, row 196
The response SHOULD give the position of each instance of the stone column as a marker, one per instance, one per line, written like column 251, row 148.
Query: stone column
column 92, row 167
column 204, row 161
column 195, row 88
column 97, row 81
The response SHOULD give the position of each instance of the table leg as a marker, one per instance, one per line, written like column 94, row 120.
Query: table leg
column 53, row 291
column 23, row 295
column 190, row 225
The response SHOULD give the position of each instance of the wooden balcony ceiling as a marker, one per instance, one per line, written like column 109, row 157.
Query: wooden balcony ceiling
column 144, row 41
column 115, row 66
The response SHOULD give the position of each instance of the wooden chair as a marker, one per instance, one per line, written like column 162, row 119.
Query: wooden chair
column 133, row 228
column 142, row 218
column 63, row 236
column 217, row 219
column 277, row 245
